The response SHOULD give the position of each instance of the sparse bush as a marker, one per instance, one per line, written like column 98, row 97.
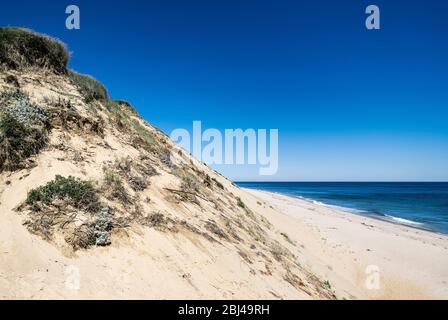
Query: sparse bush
column 277, row 251
column 125, row 168
column 207, row 181
column 102, row 225
column 90, row 88
column 215, row 229
column 118, row 114
column 21, row 48
column 11, row 95
column 93, row 231
column 11, row 79
column 240, row 203
column 137, row 183
column 165, row 158
column 287, row 238
column 27, row 113
column 113, row 185
column 218, row 184
column 82, row 237
column 124, row 115
column 17, row 142
column 326, row 285
column 80, row 194
column 189, row 184
column 142, row 132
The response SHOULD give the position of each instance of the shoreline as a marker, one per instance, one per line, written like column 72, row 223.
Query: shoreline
column 341, row 246
column 379, row 217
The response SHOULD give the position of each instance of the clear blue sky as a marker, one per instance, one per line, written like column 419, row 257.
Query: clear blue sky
column 350, row 104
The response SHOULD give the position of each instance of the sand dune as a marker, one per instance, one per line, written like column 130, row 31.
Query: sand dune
column 92, row 206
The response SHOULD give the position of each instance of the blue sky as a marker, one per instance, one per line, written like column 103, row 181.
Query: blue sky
column 350, row 104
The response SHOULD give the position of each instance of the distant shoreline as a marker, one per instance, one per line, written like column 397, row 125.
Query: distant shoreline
column 387, row 219
column 414, row 204
column 341, row 246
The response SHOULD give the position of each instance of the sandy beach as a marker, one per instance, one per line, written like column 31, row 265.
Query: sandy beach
column 96, row 203
column 351, row 251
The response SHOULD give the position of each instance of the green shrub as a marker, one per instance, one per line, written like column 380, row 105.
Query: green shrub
column 240, row 203
column 11, row 95
column 114, row 187
column 22, row 48
column 326, row 285
column 287, row 238
column 190, row 184
column 90, row 88
column 18, row 142
column 124, row 115
column 11, row 79
column 219, row 184
column 28, row 113
column 80, row 194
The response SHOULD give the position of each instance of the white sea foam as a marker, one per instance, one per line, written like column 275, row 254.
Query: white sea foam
column 404, row 221
column 363, row 212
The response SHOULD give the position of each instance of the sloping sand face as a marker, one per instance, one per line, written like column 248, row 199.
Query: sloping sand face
column 361, row 256
column 183, row 231
column 173, row 231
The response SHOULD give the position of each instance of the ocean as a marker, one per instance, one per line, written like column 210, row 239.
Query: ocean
column 422, row 205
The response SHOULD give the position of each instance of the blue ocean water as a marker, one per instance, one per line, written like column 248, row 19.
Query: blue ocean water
column 418, row 204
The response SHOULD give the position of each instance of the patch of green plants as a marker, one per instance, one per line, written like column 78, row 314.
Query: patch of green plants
column 11, row 95
column 123, row 113
column 326, row 285
column 80, row 194
column 90, row 88
column 22, row 48
column 277, row 251
column 113, row 186
column 18, row 142
column 189, row 184
column 28, row 113
column 218, row 184
column 240, row 203
column 207, row 181
column 287, row 238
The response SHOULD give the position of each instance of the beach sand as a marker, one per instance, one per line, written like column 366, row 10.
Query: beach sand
column 362, row 257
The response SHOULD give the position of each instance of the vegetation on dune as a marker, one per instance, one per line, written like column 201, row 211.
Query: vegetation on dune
column 10, row 95
column 22, row 48
column 17, row 142
column 79, row 194
column 28, row 113
column 23, row 129
column 287, row 238
column 113, row 188
column 240, row 203
column 124, row 116
column 89, row 87
column 71, row 207
column 189, row 183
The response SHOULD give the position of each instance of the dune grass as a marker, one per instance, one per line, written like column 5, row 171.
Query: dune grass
column 21, row 48
column 90, row 88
